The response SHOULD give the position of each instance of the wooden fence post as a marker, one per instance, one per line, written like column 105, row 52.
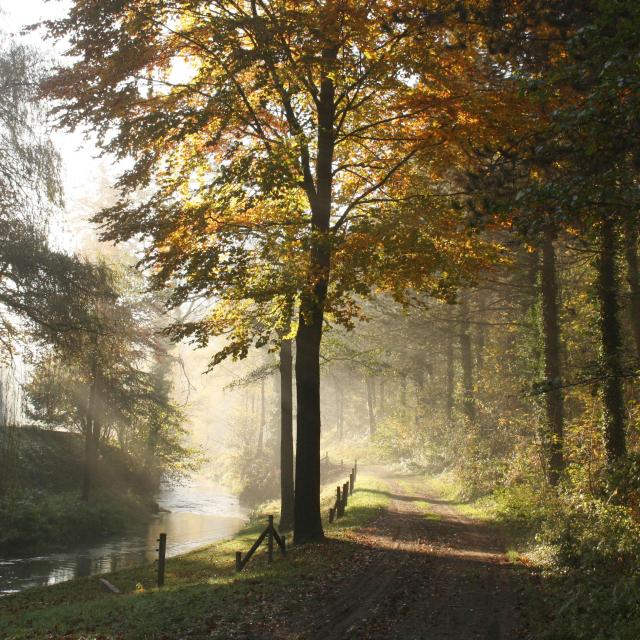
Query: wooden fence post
column 270, row 540
column 339, row 504
column 351, row 483
column 162, row 550
column 238, row 561
column 345, row 494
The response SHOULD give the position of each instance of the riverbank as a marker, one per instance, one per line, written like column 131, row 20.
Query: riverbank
column 45, row 522
column 40, row 507
column 203, row 596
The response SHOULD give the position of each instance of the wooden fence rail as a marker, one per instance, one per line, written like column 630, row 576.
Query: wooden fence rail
column 271, row 534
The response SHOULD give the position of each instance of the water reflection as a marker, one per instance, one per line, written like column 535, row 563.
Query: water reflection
column 199, row 514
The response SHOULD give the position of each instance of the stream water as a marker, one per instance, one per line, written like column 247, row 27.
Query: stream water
column 197, row 515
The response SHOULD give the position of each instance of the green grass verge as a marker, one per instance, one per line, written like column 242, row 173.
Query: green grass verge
column 447, row 488
column 203, row 597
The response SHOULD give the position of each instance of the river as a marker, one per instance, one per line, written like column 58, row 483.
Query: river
column 197, row 515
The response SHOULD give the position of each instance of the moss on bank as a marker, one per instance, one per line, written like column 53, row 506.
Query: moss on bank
column 203, row 596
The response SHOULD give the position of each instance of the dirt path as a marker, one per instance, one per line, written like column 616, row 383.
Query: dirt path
column 424, row 574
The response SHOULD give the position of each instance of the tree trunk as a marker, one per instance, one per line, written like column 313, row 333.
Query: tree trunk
column 87, row 472
column 450, row 382
column 611, row 340
column 262, row 419
column 307, row 519
column 468, row 402
column 633, row 276
column 286, row 436
column 369, row 381
column 90, row 444
column 554, row 399
column 481, row 331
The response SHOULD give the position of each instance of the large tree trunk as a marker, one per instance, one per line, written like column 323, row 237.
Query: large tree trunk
column 633, row 276
column 552, row 365
column 286, row 436
column 307, row 519
column 611, row 339
column 468, row 401
column 369, row 381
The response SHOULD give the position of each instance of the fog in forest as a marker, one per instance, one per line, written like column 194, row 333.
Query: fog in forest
column 319, row 320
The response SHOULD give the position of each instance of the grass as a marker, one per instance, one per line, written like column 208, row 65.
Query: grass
column 203, row 596
column 447, row 487
column 413, row 486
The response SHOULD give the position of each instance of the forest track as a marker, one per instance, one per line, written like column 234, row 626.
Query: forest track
column 433, row 575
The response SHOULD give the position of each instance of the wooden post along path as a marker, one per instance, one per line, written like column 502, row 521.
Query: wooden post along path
column 339, row 503
column 342, row 495
column 162, row 550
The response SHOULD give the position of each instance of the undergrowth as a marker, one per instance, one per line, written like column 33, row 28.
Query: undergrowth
column 585, row 551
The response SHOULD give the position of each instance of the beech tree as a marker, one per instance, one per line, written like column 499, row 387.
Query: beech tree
column 272, row 140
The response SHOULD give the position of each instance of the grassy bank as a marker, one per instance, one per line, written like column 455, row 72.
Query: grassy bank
column 203, row 596
column 40, row 507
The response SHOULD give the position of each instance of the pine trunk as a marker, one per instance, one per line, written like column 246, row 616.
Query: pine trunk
column 554, row 399
column 611, row 343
